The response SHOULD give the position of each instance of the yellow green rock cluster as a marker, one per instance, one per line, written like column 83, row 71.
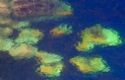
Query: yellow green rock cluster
column 62, row 29
column 90, row 65
column 29, row 36
column 50, row 64
column 98, row 36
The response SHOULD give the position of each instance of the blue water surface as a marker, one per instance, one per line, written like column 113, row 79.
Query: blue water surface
column 108, row 13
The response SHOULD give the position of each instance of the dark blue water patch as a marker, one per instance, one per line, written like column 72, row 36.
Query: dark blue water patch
column 64, row 45
column 115, row 59
column 96, row 11
column 11, row 69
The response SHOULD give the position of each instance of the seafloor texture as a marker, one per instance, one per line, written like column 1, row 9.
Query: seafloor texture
column 62, row 40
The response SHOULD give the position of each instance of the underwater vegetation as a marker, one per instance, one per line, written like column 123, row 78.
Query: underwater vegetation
column 50, row 64
column 18, row 15
column 21, row 51
column 98, row 35
column 62, row 29
column 14, row 11
column 90, row 65
column 5, row 32
column 6, row 43
column 29, row 36
column 39, row 8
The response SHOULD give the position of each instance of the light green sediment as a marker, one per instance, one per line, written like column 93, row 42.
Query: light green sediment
column 90, row 64
column 90, row 46
column 48, row 58
column 50, row 64
column 5, row 43
column 21, row 24
column 53, row 70
column 21, row 51
column 112, row 37
column 29, row 36
column 64, row 7
column 98, row 36
column 64, row 27
column 5, row 31
column 99, row 64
